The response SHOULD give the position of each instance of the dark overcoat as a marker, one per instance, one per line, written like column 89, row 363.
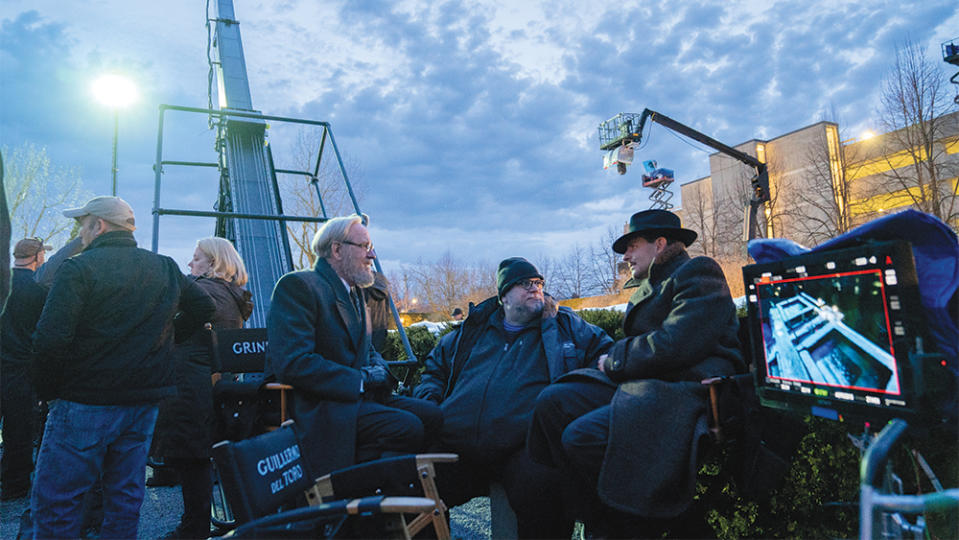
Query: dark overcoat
column 317, row 344
column 184, row 428
column 681, row 327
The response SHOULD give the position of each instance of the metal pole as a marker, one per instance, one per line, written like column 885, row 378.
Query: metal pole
column 116, row 126
column 158, row 173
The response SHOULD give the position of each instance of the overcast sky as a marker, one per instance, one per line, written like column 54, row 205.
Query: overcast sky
column 470, row 126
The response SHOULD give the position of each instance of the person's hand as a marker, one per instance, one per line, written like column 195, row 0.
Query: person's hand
column 375, row 378
column 600, row 362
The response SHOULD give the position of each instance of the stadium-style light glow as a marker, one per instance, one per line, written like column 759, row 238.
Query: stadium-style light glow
column 115, row 90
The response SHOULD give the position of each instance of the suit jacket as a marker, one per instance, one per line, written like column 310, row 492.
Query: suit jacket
column 317, row 344
column 681, row 328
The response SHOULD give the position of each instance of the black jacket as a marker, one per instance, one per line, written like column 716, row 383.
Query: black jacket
column 105, row 336
column 20, row 316
column 486, row 415
column 184, row 427
column 569, row 341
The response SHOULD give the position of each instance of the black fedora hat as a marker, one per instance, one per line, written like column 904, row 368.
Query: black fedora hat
column 654, row 222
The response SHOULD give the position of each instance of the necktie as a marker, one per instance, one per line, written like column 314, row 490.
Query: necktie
column 355, row 297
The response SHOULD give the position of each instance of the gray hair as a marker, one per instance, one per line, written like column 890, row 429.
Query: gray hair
column 334, row 230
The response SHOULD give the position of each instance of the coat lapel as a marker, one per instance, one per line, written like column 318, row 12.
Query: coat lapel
column 349, row 319
column 642, row 293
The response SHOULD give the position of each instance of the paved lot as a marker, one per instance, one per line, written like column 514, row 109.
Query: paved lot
column 162, row 507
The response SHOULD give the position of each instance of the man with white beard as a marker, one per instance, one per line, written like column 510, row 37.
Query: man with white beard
column 320, row 343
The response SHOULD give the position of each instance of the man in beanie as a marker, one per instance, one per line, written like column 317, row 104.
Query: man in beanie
column 17, row 397
column 629, row 428
column 102, row 354
column 486, row 374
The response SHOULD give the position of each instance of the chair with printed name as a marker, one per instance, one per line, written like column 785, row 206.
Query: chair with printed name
column 266, row 482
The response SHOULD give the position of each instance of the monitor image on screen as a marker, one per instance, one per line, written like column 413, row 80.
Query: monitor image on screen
column 831, row 332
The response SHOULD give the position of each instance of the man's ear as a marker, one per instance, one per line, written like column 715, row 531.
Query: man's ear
column 661, row 244
column 335, row 248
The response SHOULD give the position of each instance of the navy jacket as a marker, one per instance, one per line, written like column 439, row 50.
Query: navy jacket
column 567, row 343
column 20, row 316
column 105, row 336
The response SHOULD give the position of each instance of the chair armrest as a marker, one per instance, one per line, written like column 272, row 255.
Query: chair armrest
column 715, row 426
column 275, row 525
column 423, row 459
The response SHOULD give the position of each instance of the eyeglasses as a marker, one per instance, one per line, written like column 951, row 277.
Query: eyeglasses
column 532, row 284
column 367, row 247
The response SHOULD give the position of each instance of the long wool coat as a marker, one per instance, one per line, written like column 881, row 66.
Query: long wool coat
column 681, row 327
column 317, row 345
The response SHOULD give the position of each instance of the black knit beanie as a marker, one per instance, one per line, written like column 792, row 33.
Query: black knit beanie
column 512, row 270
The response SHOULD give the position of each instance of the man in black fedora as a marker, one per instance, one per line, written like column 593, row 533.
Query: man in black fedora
column 629, row 429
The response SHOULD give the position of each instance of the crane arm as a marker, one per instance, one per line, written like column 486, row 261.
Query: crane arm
column 626, row 127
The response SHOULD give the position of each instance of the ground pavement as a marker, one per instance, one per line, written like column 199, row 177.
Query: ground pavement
column 162, row 507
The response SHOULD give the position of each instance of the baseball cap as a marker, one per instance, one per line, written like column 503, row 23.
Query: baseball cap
column 112, row 209
column 29, row 247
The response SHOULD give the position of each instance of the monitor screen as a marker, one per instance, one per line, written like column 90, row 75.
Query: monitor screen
column 831, row 332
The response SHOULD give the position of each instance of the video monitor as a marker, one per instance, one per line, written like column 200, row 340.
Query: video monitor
column 831, row 332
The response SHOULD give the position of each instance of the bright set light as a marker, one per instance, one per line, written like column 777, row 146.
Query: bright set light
column 866, row 135
column 114, row 91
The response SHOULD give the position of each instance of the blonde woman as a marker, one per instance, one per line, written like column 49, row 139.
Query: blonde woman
column 186, row 441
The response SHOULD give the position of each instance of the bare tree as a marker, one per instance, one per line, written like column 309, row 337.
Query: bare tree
column 549, row 268
column 445, row 284
column 701, row 216
column 37, row 191
column 482, row 284
column 913, row 107
column 574, row 274
column 820, row 205
column 605, row 265
column 402, row 288
column 322, row 195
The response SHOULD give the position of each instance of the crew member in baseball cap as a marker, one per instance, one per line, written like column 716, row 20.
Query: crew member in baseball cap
column 29, row 249
column 112, row 209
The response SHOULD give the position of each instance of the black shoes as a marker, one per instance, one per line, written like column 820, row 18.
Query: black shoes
column 163, row 476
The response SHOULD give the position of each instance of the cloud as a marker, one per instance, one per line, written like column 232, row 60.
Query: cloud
column 468, row 125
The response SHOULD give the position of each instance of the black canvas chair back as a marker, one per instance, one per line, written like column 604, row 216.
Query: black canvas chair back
column 241, row 350
column 240, row 354
column 395, row 476
column 401, row 476
column 263, row 473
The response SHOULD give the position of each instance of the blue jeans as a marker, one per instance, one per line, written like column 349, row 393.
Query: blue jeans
column 81, row 443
